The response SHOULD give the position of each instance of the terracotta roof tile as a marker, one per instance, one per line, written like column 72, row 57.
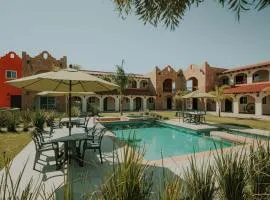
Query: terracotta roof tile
column 247, row 88
column 246, row 67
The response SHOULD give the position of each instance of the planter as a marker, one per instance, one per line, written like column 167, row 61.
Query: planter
column 4, row 129
column 19, row 129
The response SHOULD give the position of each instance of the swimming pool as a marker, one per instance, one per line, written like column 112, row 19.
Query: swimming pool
column 172, row 141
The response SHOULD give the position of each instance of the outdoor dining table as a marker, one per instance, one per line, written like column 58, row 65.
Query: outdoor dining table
column 62, row 135
column 192, row 116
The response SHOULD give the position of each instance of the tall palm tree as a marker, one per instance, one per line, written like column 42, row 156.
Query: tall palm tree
column 121, row 79
column 178, row 97
column 220, row 96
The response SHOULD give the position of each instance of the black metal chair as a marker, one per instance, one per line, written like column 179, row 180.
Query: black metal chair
column 94, row 142
column 59, row 155
column 45, row 136
column 40, row 146
column 82, row 121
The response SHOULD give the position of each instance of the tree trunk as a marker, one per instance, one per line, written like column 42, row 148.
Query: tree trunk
column 121, row 105
column 218, row 109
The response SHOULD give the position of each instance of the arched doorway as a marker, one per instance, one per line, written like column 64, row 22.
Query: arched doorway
column 266, row 105
column 247, row 104
column 224, row 80
column 93, row 103
column 240, row 78
column 260, row 76
column 169, row 103
column 109, row 104
column 132, row 84
column 76, row 102
column 227, row 106
column 138, row 104
column 150, row 103
column 125, row 104
column 167, row 85
column 143, row 84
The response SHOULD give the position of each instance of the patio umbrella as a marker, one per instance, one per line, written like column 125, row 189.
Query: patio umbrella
column 56, row 94
column 67, row 80
column 198, row 95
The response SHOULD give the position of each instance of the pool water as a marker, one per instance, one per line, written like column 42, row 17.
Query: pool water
column 171, row 141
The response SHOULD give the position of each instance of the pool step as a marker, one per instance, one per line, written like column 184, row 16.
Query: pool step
column 230, row 137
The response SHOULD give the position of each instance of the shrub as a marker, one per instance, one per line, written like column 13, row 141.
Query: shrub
column 129, row 179
column 39, row 119
column 259, row 171
column 4, row 119
column 27, row 118
column 200, row 182
column 75, row 111
column 231, row 174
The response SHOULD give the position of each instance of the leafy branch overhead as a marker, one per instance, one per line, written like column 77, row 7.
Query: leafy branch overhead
column 171, row 12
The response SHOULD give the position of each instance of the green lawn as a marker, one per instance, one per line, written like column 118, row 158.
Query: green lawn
column 12, row 144
column 252, row 123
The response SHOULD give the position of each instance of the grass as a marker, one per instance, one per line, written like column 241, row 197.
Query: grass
column 12, row 144
column 248, row 123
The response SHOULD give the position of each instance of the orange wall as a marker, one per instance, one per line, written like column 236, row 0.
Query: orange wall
column 9, row 63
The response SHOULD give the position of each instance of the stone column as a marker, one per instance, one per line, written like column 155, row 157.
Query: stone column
column 249, row 78
column 131, row 104
column 138, row 83
column 101, row 106
column 231, row 80
column 144, row 103
column 117, row 105
column 258, row 106
column 84, row 104
column 235, row 106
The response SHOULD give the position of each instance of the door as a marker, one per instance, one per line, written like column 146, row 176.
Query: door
column 195, row 104
column 228, row 106
column 15, row 101
column 105, row 104
column 169, row 103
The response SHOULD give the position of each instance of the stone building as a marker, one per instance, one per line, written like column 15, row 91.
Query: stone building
column 43, row 62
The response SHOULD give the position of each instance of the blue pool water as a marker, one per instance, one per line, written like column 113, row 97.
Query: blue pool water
column 156, row 137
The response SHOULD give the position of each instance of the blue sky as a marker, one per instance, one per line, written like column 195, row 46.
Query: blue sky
column 90, row 33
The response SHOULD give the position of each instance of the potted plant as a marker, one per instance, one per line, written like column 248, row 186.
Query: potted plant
column 3, row 122
column 39, row 120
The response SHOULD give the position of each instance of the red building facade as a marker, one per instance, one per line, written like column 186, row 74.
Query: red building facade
column 10, row 68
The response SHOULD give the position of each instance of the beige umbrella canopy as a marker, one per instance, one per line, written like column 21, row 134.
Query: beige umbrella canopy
column 56, row 94
column 67, row 80
column 62, row 81
column 198, row 95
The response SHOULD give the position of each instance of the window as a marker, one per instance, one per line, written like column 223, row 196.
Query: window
column 243, row 100
column 144, row 84
column 11, row 74
column 92, row 100
column 264, row 100
column 47, row 103
column 151, row 100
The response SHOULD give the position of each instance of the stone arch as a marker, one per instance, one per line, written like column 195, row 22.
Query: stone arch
column 132, row 83
column 150, row 103
column 76, row 101
column 192, row 83
column 224, row 80
column 266, row 104
column 93, row 102
column 227, row 105
column 143, row 84
column 246, row 104
column 261, row 75
column 240, row 78
column 168, row 85
column 109, row 104
column 126, row 103
column 137, row 103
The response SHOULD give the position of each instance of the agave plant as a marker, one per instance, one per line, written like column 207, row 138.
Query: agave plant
column 259, row 171
column 16, row 189
column 130, row 178
column 231, row 174
column 200, row 181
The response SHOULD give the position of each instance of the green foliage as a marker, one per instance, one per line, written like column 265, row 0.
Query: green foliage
column 179, row 101
column 94, row 110
column 130, row 179
column 10, row 120
column 200, row 182
column 231, row 174
column 75, row 111
column 4, row 119
column 259, row 171
column 39, row 119
column 18, row 189
column 171, row 12
column 27, row 118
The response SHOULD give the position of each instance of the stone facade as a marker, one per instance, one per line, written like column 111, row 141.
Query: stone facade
column 41, row 63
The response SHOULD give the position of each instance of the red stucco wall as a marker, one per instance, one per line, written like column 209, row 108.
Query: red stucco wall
column 10, row 61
